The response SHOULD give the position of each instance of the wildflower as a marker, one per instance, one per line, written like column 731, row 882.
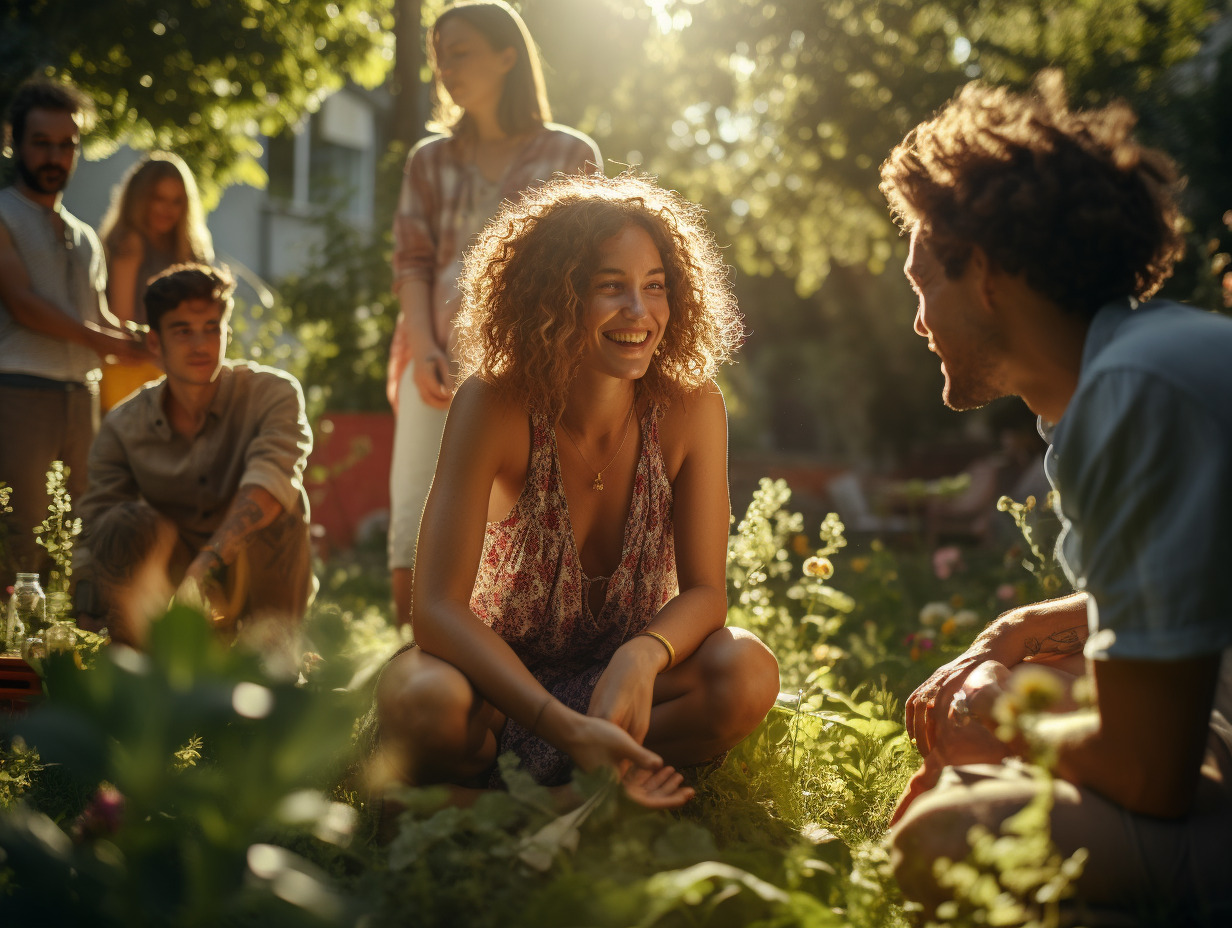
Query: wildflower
column 1030, row 689
column 935, row 613
column 819, row 567
column 965, row 618
column 948, row 626
column 915, row 654
column 1006, row 592
column 860, row 564
column 102, row 816
column 946, row 560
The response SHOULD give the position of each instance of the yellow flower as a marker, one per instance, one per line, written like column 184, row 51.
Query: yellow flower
column 948, row 626
column 860, row 564
column 800, row 543
column 1036, row 687
column 819, row 567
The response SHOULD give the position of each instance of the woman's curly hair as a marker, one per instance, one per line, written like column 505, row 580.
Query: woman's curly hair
column 1068, row 198
column 525, row 280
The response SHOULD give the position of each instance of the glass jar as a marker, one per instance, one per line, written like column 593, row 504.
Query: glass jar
column 27, row 614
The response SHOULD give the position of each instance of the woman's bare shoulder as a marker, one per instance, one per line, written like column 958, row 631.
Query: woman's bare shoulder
column 488, row 411
column 700, row 408
column 696, row 419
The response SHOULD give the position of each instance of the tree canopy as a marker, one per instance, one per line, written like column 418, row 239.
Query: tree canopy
column 778, row 114
column 204, row 79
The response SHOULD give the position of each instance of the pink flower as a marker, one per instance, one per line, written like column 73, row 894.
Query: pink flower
column 946, row 560
column 1006, row 592
column 102, row 816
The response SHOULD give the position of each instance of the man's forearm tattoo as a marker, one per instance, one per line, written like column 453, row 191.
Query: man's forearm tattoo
column 1066, row 641
column 245, row 516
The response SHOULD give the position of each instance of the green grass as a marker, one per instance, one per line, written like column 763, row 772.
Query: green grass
column 240, row 804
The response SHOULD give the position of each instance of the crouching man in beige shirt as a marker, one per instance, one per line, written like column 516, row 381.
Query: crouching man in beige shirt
column 216, row 448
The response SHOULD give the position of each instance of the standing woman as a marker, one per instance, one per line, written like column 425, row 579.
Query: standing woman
column 155, row 220
column 495, row 142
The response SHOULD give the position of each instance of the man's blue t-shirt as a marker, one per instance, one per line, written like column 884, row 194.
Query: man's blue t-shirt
column 1142, row 459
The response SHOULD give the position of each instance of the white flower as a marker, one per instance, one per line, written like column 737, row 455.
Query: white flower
column 965, row 617
column 934, row 613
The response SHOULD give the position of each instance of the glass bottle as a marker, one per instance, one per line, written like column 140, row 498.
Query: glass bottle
column 27, row 611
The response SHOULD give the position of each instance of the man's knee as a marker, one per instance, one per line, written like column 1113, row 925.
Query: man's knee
column 934, row 828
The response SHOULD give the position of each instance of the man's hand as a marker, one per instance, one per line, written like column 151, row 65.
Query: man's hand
column 930, row 702
column 1043, row 631
column 961, row 739
column 109, row 344
column 202, row 585
column 433, row 379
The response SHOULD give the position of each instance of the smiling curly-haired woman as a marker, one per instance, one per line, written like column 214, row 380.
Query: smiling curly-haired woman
column 569, row 598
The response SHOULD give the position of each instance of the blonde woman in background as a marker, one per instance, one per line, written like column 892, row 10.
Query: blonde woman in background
column 496, row 142
column 155, row 220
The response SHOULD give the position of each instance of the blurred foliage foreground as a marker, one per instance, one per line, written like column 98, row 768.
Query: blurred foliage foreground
column 207, row 784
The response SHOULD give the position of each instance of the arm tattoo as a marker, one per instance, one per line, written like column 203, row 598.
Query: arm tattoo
column 1066, row 641
column 253, row 508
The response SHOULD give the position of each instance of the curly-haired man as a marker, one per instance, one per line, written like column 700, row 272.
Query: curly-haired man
column 1038, row 236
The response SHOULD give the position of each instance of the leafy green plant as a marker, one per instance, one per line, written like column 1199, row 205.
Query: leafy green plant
column 57, row 533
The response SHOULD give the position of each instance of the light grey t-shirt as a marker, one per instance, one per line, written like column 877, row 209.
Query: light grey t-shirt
column 68, row 271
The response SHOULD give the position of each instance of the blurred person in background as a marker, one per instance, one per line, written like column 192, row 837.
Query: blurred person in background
column 155, row 220
column 54, row 324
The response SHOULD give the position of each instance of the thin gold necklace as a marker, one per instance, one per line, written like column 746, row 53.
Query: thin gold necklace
column 597, row 483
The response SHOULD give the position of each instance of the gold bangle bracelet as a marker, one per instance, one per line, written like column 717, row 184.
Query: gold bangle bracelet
column 671, row 652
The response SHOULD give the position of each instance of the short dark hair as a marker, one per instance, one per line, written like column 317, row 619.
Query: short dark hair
column 1067, row 198
column 41, row 93
column 182, row 282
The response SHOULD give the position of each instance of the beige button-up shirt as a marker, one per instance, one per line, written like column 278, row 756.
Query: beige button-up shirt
column 255, row 433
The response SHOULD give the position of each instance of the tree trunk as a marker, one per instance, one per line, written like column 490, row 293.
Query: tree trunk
column 407, row 123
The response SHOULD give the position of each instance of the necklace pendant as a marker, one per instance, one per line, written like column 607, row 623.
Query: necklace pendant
column 598, row 482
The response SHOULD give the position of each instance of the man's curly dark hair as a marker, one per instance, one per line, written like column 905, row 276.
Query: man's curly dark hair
column 1067, row 198
column 525, row 279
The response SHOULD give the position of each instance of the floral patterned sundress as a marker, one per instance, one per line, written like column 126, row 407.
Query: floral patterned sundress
column 531, row 590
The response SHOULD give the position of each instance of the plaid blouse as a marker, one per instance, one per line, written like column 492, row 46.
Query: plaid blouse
column 445, row 202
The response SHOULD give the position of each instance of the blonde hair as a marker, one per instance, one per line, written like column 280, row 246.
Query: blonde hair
column 524, row 99
column 525, row 279
column 130, row 202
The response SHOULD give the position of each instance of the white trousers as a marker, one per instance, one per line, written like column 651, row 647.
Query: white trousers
column 417, row 442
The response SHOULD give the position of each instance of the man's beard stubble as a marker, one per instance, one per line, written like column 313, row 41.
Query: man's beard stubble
column 33, row 179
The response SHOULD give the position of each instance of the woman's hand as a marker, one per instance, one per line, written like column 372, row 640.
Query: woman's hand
column 660, row 789
column 594, row 742
column 433, row 379
column 625, row 692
